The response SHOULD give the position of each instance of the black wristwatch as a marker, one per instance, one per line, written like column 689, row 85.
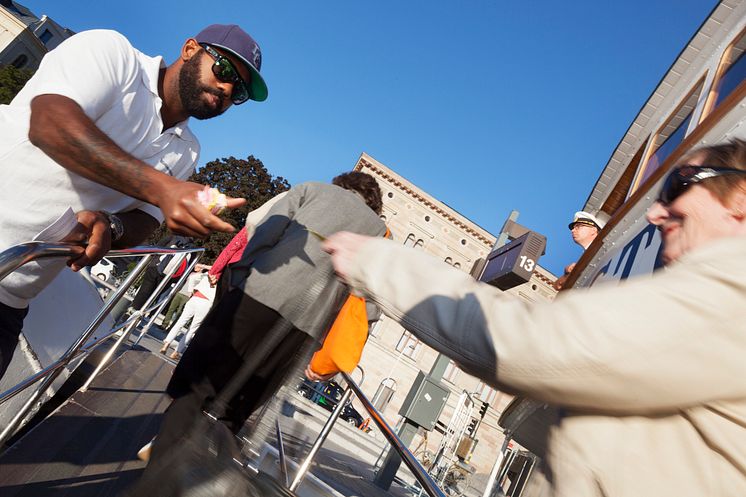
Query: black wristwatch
column 115, row 225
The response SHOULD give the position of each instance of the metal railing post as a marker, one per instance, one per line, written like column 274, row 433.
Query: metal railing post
column 303, row 469
column 8, row 430
column 131, row 326
column 16, row 256
column 430, row 487
column 179, row 283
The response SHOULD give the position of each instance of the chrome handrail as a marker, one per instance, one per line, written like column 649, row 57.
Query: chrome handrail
column 18, row 255
column 153, row 296
column 14, row 257
column 420, row 473
column 430, row 487
column 325, row 430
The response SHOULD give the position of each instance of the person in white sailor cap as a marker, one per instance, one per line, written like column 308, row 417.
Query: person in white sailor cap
column 584, row 228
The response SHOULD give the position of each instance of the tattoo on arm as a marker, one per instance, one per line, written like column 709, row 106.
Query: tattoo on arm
column 62, row 130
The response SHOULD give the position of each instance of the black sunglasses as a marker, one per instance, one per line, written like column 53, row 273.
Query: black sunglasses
column 225, row 71
column 680, row 179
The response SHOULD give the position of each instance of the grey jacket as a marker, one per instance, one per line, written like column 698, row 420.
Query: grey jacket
column 651, row 372
column 283, row 266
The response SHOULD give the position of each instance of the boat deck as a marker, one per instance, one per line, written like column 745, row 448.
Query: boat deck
column 88, row 446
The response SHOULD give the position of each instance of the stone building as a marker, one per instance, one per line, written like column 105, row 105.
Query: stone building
column 393, row 357
column 24, row 37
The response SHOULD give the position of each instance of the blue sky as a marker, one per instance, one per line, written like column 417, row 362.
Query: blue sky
column 488, row 106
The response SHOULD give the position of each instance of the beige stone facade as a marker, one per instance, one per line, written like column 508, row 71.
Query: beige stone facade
column 25, row 38
column 392, row 355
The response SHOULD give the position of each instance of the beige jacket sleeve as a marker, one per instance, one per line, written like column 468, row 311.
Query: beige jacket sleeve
column 652, row 344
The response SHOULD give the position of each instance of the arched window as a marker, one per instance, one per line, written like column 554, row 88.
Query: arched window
column 20, row 61
column 375, row 329
column 449, row 261
column 408, row 345
column 409, row 242
column 419, row 244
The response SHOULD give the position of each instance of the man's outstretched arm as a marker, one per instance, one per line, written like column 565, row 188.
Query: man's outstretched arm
column 60, row 128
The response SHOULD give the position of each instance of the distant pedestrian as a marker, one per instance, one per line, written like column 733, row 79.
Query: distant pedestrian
column 179, row 300
column 196, row 309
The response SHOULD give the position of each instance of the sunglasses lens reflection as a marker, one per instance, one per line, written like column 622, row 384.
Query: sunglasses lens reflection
column 672, row 188
column 240, row 93
column 225, row 72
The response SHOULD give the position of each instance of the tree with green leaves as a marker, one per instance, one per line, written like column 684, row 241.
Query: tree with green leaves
column 11, row 82
column 243, row 178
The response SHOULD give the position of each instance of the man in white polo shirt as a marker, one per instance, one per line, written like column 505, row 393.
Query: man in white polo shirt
column 96, row 148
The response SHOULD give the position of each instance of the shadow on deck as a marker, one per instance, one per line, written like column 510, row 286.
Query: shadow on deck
column 88, row 446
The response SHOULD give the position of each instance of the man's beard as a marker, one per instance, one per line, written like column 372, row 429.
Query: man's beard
column 191, row 91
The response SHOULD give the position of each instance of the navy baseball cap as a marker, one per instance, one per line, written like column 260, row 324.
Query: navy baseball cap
column 233, row 39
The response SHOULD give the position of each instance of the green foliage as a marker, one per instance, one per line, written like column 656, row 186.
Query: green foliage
column 243, row 178
column 11, row 82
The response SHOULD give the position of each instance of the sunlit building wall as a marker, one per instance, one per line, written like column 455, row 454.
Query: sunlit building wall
column 24, row 37
column 392, row 355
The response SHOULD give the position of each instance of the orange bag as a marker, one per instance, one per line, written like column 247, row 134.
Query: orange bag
column 343, row 345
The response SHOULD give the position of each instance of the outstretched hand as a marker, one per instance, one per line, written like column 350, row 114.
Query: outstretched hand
column 92, row 227
column 344, row 247
column 185, row 215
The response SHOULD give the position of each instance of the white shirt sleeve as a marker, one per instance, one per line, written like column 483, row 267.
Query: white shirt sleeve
column 90, row 68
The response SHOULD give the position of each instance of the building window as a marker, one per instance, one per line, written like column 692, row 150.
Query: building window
column 408, row 345
column 670, row 135
column 409, row 242
column 419, row 244
column 46, row 36
column 390, row 195
column 427, row 219
column 375, row 328
column 451, row 372
column 485, row 393
column 20, row 61
column 623, row 187
column 383, row 217
column 463, row 241
column 731, row 72
column 449, row 261
column 457, row 265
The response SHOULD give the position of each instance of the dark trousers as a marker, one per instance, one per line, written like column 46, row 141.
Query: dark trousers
column 11, row 324
column 230, row 333
column 149, row 281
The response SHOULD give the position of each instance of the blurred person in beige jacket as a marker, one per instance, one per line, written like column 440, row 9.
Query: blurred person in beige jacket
column 650, row 374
